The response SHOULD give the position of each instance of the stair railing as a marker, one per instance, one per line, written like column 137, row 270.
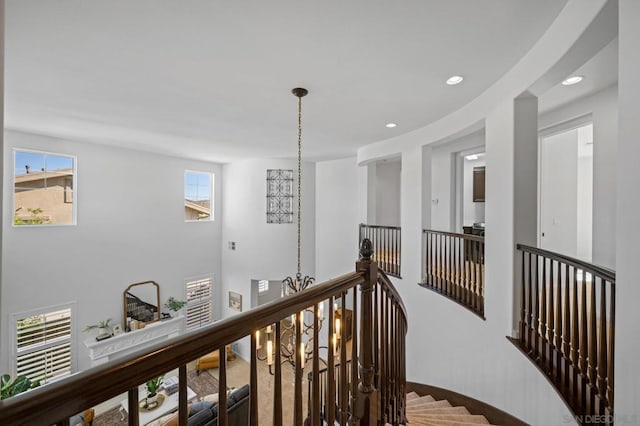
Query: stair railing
column 388, row 328
column 366, row 395
column 387, row 241
column 567, row 328
column 454, row 267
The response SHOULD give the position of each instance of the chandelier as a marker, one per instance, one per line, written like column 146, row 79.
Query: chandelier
column 290, row 349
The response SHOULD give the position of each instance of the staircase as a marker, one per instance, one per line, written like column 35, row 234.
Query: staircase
column 425, row 410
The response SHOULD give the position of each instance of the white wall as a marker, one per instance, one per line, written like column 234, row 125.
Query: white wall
column 603, row 106
column 130, row 228
column 443, row 190
column 472, row 211
column 627, row 371
column 388, row 193
column 337, row 217
column 263, row 251
column 450, row 356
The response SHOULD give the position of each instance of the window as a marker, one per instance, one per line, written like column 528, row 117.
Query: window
column 44, row 344
column 199, row 302
column 43, row 188
column 198, row 196
column 279, row 196
column 263, row 286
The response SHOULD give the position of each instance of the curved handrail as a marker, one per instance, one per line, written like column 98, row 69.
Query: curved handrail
column 394, row 292
column 601, row 271
column 381, row 226
column 469, row 237
column 387, row 241
column 454, row 267
column 567, row 327
column 383, row 351
column 71, row 395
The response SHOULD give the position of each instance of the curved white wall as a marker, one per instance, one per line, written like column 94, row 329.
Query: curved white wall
column 447, row 345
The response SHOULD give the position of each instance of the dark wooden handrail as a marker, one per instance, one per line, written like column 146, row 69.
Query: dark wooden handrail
column 397, row 228
column 604, row 272
column 391, row 289
column 387, row 241
column 57, row 401
column 90, row 387
column 469, row 237
column 454, row 267
column 567, row 328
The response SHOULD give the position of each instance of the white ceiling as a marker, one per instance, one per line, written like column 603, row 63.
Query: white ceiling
column 599, row 72
column 212, row 79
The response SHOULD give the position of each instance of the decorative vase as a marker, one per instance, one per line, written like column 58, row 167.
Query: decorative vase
column 152, row 401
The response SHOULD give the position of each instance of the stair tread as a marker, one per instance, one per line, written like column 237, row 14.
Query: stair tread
column 466, row 418
column 427, row 411
column 412, row 395
column 420, row 400
column 442, row 423
column 428, row 404
column 439, row 410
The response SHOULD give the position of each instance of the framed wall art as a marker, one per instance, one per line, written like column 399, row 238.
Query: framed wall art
column 235, row 301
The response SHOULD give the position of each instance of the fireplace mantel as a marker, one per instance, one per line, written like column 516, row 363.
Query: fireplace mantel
column 116, row 346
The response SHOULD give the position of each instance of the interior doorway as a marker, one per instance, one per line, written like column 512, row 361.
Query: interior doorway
column 566, row 192
column 469, row 202
column 265, row 291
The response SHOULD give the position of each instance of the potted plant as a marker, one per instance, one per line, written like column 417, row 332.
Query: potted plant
column 105, row 328
column 174, row 304
column 9, row 388
column 152, row 391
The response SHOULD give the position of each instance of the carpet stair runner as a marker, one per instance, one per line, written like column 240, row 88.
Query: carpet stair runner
column 426, row 411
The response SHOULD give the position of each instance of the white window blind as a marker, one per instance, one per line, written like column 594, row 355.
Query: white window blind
column 199, row 302
column 43, row 345
column 263, row 286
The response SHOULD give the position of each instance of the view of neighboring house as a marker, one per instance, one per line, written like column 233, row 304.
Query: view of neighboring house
column 44, row 197
column 197, row 210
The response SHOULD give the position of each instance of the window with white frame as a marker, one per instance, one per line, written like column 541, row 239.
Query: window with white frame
column 198, row 196
column 263, row 286
column 43, row 188
column 199, row 302
column 44, row 344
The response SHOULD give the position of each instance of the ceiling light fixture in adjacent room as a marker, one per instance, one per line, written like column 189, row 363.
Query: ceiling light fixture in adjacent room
column 575, row 79
column 390, row 125
column 453, row 80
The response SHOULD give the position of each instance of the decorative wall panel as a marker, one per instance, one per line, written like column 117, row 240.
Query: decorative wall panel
column 279, row 196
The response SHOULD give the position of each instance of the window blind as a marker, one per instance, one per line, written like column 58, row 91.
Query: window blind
column 43, row 345
column 199, row 302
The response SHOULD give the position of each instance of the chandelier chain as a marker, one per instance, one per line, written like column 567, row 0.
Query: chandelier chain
column 299, row 175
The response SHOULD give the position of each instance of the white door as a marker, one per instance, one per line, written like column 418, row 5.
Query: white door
column 566, row 192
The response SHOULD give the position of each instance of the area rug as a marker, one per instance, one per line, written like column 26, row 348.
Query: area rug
column 203, row 384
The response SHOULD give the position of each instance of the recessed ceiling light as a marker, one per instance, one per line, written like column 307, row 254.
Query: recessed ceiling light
column 456, row 79
column 390, row 125
column 472, row 157
column 572, row 80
